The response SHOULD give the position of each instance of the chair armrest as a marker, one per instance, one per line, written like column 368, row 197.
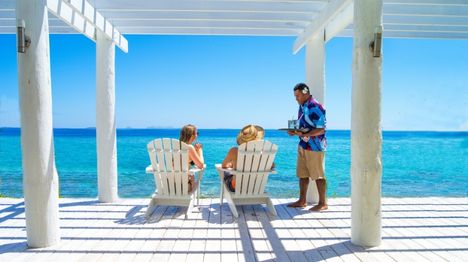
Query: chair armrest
column 194, row 170
column 199, row 171
column 149, row 169
column 220, row 168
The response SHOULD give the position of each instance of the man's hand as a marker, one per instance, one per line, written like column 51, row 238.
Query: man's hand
column 295, row 133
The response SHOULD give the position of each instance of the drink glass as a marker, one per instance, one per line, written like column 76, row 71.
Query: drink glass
column 293, row 124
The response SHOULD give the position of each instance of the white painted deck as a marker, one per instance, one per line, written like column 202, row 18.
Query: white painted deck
column 414, row 229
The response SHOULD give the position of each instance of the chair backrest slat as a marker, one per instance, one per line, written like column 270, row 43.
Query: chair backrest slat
column 161, row 168
column 169, row 162
column 262, row 180
column 260, row 184
column 177, row 166
column 257, row 155
column 184, row 167
column 271, row 156
column 265, row 150
column 152, row 155
column 159, row 155
column 249, row 156
column 240, row 166
column 251, row 184
column 184, row 157
column 241, row 157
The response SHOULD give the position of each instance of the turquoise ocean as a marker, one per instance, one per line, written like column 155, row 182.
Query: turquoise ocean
column 414, row 163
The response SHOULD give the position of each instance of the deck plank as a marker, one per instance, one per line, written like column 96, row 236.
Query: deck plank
column 198, row 242
column 213, row 237
column 262, row 247
column 229, row 235
column 245, row 244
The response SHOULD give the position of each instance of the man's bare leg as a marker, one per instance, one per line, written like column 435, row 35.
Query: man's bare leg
column 322, row 190
column 303, row 184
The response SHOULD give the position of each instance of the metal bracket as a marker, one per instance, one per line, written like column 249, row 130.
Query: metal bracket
column 376, row 45
column 24, row 41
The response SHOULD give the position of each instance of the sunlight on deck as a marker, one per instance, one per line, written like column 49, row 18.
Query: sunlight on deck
column 417, row 229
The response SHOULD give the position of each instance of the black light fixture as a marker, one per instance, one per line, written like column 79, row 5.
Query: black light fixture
column 376, row 45
column 23, row 40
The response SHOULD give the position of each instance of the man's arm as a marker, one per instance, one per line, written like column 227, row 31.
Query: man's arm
column 313, row 132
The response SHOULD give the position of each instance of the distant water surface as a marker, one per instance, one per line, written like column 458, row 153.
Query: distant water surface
column 414, row 163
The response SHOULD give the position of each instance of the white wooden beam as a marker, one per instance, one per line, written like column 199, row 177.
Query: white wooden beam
column 207, row 15
column 210, row 23
column 208, row 31
column 414, row 34
column 340, row 22
column 212, row 6
column 84, row 18
column 334, row 8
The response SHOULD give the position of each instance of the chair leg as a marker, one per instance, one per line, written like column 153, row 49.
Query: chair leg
column 189, row 208
column 270, row 206
column 198, row 196
column 231, row 204
column 221, row 195
column 151, row 208
column 195, row 197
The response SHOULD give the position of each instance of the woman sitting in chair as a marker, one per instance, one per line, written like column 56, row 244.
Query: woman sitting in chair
column 188, row 135
column 248, row 133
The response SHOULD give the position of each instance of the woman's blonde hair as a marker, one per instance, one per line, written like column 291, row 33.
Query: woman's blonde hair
column 187, row 132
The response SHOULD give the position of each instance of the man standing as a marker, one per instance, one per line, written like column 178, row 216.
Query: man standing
column 312, row 145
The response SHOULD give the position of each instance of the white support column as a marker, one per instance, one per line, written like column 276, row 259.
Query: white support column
column 366, row 134
column 315, row 79
column 40, row 181
column 105, row 119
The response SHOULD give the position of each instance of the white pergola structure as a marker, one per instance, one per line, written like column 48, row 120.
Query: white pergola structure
column 313, row 22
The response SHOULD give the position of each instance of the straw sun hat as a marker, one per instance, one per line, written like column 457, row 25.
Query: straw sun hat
column 249, row 133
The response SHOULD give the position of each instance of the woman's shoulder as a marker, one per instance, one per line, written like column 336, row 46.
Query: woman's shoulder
column 233, row 149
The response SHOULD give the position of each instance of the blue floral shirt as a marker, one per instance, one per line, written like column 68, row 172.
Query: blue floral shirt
column 312, row 115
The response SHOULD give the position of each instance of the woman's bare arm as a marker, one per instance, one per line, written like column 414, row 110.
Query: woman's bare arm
column 196, row 156
column 230, row 159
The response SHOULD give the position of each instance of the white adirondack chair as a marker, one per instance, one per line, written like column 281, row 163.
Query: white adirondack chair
column 254, row 164
column 169, row 164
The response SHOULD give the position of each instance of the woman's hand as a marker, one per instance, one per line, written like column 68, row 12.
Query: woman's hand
column 198, row 146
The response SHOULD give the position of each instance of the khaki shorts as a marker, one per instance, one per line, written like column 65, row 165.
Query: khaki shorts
column 310, row 164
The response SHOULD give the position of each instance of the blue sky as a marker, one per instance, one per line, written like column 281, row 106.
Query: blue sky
column 227, row 82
